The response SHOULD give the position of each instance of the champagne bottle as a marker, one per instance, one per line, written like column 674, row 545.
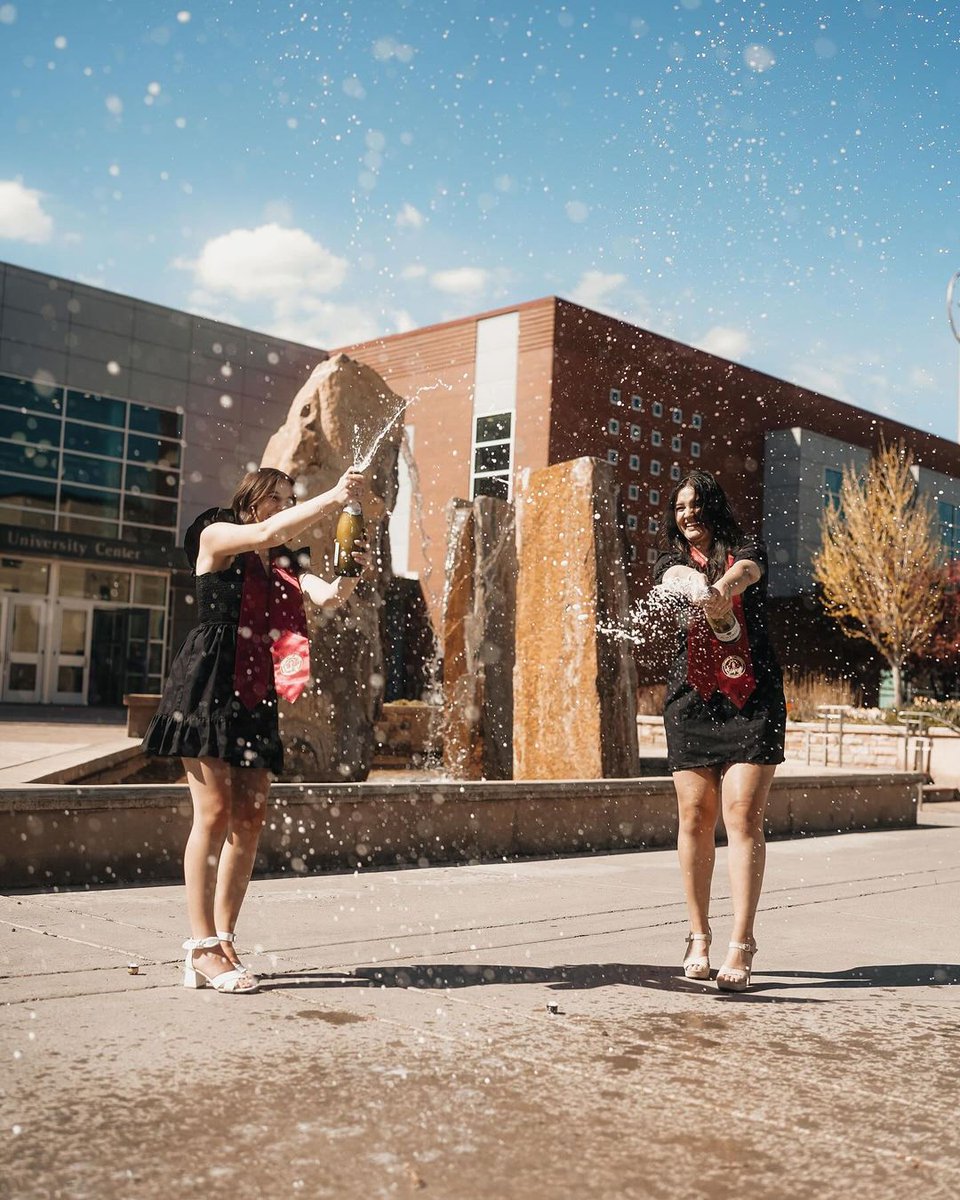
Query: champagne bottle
column 350, row 530
column 725, row 629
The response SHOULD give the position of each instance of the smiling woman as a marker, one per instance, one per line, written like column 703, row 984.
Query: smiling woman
column 724, row 712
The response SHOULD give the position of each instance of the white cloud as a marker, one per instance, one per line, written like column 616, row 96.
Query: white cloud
column 460, row 281
column 386, row 48
column 823, row 379
column 576, row 211
column 595, row 288
column 410, row 218
column 921, row 379
column 22, row 218
column 269, row 262
column 414, row 271
column 725, row 341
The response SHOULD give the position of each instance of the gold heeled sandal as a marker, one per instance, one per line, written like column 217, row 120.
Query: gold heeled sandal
column 737, row 979
column 697, row 966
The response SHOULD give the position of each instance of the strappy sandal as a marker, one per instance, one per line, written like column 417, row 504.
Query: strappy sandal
column 230, row 938
column 227, row 981
column 737, row 979
column 697, row 966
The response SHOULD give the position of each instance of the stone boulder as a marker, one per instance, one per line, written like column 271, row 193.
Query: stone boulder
column 575, row 681
column 334, row 421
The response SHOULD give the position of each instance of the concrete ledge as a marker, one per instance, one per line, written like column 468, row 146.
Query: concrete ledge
column 82, row 836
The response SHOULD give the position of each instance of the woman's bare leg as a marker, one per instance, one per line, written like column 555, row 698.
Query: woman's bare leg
column 745, row 790
column 698, row 800
column 250, row 788
column 209, row 781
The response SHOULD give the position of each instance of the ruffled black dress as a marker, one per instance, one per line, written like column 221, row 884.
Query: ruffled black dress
column 200, row 714
column 714, row 732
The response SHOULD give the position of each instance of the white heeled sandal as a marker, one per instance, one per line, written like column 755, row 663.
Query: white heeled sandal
column 230, row 938
column 697, row 966
column 227, row 981
column 737, row 979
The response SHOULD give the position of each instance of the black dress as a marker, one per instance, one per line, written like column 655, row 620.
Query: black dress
column 200, row 714
column 714, row 732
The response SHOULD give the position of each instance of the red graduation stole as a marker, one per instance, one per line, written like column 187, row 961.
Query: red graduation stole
column 272, row 637
column 715, row 666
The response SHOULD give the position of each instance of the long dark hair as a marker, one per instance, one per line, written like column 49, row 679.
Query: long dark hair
column 715, row 512
column 252, row 488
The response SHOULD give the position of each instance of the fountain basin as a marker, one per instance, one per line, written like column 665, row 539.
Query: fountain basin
column 93, row 835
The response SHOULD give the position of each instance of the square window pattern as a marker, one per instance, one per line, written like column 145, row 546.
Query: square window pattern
column 694, row 449
column 654, row 466
column 613, row 425
column 676, row 444
column 675, row 471
column 652, row 525
column 631, row 521
column 696, row 421
column 85, row 446
column 492, row 456
column 633, row 491
column 614, row 395
column 657, row 409
column 655, row 438
column 634, row 462
column 636, row 403
column 677, row 414
column 635, row 433
column 613, row 457
column 654, row 496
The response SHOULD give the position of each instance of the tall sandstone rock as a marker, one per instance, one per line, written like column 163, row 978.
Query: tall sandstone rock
column 575, row 683
column 333, row 421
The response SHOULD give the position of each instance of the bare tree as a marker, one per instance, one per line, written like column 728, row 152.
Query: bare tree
column 879, row 566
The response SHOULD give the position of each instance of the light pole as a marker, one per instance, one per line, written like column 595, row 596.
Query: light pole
column 953, row 316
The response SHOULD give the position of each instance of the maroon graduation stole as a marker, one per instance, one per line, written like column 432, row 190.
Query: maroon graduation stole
column 272, row 638
column 715, row 666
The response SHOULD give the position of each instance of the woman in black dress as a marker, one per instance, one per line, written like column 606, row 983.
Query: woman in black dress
column 219, row 708
column 724, row 713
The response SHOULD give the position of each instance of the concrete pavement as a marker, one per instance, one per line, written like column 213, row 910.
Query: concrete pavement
column 402, row 1043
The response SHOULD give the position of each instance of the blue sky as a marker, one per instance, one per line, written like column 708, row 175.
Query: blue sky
column 776, row 182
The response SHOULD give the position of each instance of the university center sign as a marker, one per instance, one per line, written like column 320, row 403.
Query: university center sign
column 18, row 541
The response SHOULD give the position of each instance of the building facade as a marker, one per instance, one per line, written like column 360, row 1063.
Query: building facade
column 119, row 422
column 549, row 380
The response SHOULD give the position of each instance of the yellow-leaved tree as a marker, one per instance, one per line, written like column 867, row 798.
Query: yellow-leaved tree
column 879, row 566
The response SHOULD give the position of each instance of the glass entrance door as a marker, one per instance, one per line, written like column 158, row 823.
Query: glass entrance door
column 71, row 654
column 24, row 650
column 120, row 650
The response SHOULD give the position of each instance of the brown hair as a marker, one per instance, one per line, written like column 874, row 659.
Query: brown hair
column 254, row 487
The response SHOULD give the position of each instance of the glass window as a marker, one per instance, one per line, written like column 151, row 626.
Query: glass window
column 493, row 429
column 631, row 521
column 696, row 421
column 150, row 589
column 613, row 457
column 633, row 491
column 162, row 422
column 694, row 449
column 91, row 526
column 655, row 438
column 675, row 471
column 614, row 395
column 28, row 460
column 677, row 414
column 153, row 452
column 832, row 482
column 85, row 406
column 613, row 425
column 27, row 428
column 73, row 631
column 654, row 467
column 145, row 510
column 634, row 462
column 492, row 457
column 657, row 408
column 492, row 485
column 96, row 472
column 21, row 393
column 152, row 481
column 94, row 583
column 24, row 575
column 93, row 441
column 652, row 524
column 635, row 433
column 636, row 403
column 676, row 444
column 28, row 493
column 88, row 503
column 654, row 496
column 651, row 554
